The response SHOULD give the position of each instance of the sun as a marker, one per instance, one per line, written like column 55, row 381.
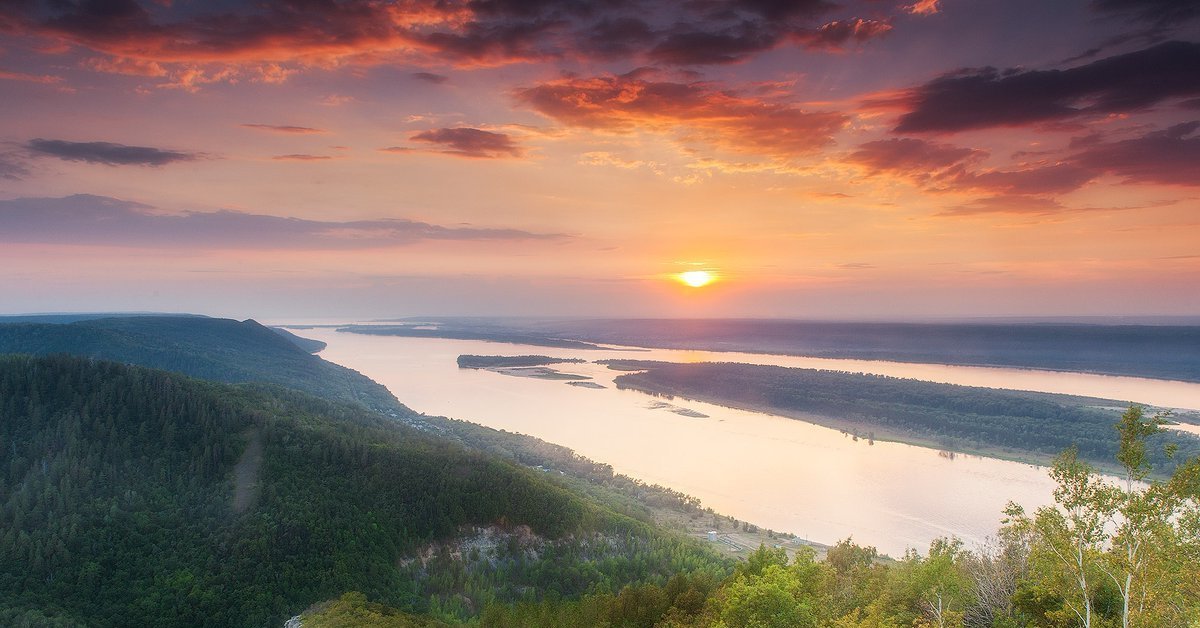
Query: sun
column 696, row 278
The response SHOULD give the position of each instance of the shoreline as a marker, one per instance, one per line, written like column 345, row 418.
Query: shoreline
column 868, row 432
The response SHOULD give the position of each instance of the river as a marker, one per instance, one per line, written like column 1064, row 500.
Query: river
column 780, row 473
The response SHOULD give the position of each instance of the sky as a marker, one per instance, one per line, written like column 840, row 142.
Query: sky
column 854, row 159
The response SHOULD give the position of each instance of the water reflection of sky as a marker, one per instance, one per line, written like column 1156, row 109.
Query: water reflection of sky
column 776, row 472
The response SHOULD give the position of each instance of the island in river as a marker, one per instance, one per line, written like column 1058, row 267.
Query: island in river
column 998, row 423
column 467, row 361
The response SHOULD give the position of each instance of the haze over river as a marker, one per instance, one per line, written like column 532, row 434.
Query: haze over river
column 781, row 473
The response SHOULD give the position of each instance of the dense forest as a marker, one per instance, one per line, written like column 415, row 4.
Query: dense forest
column 946, row 415
column 139, row 497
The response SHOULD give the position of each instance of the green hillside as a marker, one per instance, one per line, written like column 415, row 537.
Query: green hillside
column 140, row 497
column 209, row 348
column 230, row 351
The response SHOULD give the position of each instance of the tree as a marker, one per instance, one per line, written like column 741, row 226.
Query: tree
column 1142, row 513
column 1148, row 535
column 995, row 571
column 1071, row 533
column 1138, row 535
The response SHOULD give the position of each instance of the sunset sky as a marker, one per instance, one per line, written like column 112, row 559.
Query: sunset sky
column 821, row 159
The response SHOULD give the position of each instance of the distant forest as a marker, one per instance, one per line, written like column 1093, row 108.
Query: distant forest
column 1155, row 351
column 954, row 417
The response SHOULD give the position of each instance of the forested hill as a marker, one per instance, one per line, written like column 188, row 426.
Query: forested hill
column 209, row 348
column 136, row 497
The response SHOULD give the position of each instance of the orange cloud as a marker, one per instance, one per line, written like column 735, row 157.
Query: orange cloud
column 690, row 111
column 126, row 65
column 924, row 7
column 45, row 79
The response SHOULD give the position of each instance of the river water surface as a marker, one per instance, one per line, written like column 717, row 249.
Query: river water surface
column 780, row 473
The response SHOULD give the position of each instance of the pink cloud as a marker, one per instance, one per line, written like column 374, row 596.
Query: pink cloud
column 692, row 111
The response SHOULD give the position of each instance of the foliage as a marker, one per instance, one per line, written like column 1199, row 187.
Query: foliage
column 352, row 610
column 1116, row 553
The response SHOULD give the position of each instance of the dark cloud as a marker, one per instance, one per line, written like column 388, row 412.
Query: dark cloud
column 108, row 153
column 467, row 142
column 271, row 31
column 97, row 220
column 780, row 11
column 537, row 8
column 497, row 43
column 978, row 99
column 618, row 37
column 1041, row 179
column 430, row 77
column 163, row 39
column 742, row 40
column 1171, row 156
column 285, row 129
column 709, row 114
column 730, row 45
column 1155, row 12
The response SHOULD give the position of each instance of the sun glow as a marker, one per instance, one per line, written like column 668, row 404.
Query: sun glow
column 696, row 278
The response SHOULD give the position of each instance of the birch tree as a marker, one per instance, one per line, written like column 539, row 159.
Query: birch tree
column 1072, row 532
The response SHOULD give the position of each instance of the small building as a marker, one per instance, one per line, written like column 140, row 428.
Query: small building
column 712, row 535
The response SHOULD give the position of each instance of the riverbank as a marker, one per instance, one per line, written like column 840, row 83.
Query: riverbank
column 1007, row 424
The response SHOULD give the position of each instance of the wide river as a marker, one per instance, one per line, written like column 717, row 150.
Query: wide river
column 784, row 474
